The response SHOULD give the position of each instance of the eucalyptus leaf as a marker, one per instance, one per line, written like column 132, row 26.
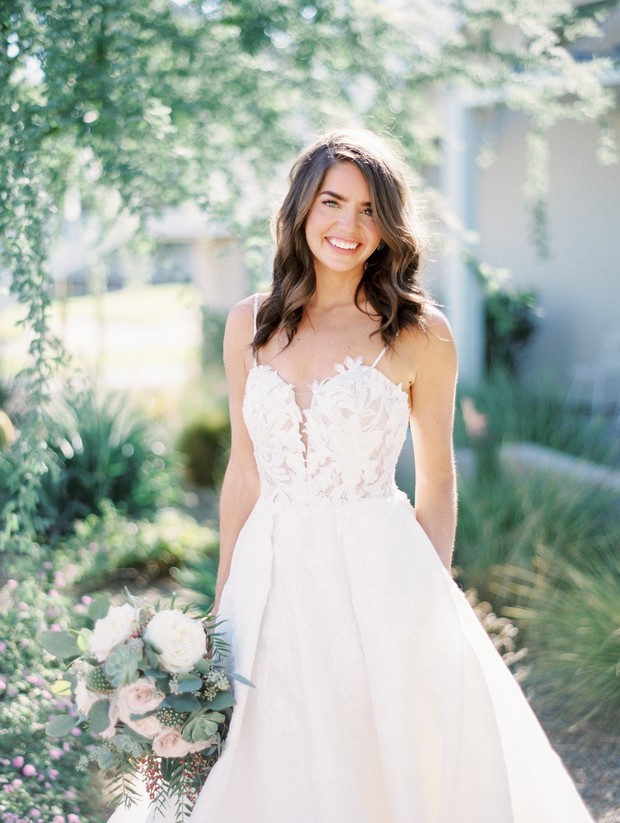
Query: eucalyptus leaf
column 99, row 606
column 242, row 679
column 60, row 644
column 99, row 716
column 60, row 725
column 189, row 682
column 204, row 665
column 222, row 700
column 183, row 702
column 106, row 758
column 157, row 674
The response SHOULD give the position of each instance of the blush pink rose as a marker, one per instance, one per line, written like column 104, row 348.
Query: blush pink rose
column 146, row 726
column 169, row 743
column 139, row 697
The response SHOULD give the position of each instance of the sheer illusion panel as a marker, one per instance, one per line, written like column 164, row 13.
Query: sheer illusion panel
column 345, row 444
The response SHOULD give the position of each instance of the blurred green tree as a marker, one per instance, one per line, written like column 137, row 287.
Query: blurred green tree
column 159, row 100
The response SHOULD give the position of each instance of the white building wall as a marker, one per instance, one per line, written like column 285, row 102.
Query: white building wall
column 579, row 285
column 218, row 269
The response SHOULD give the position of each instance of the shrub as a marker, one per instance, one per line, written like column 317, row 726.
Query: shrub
column 199, row 576
column 503, row 520
column 205, row 444
column 571, row 622
column 110, row 547
column 102, row 450
column 213, row 325
column 509, row 317
column 43, row 776
column 518, row 411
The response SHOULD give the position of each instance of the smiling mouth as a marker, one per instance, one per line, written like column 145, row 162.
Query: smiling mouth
column 345, row 245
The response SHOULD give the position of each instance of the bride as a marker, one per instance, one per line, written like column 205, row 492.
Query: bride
column 378, row 696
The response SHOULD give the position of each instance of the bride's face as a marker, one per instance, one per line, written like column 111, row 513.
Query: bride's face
column 340, row 227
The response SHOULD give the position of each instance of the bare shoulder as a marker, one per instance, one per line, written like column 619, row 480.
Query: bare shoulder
column 436, row 362
column 434, row 335
column 241, row 311
column 437, row 324
column 240, row 332
column 437, row 340
column 240, row 321
column 426, row 348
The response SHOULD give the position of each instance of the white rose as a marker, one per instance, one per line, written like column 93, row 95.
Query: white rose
column 84, row 698
column 180, row 640
column 115, row 628
column 169, row 743
column 139, row 697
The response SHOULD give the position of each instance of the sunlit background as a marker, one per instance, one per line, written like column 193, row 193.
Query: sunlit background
column 144, row 148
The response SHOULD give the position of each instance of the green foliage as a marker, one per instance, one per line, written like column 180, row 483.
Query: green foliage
column 544, row 553
column 213, row 325
column 504, row 520
column 509, row 318
column 158, row 101
column 509, row 323
column 98, row 451
column 205, row 444
column 200, row 577
column 526, row 411
column 571, row 620
column 45, row 776
column 110, row 546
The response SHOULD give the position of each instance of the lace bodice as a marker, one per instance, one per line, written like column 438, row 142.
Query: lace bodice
column 344, row 445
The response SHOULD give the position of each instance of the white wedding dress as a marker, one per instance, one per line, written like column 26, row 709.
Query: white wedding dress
column 378, row 696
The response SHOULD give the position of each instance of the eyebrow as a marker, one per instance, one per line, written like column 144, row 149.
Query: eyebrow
column 340, row 197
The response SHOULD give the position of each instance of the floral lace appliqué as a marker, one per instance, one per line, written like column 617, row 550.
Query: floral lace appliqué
column 344, row 445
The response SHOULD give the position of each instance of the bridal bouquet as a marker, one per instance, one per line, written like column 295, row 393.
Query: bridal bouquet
column 152, row 685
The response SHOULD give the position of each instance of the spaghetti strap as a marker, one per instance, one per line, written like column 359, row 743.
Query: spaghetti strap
column 378, row 357
column 255, row 313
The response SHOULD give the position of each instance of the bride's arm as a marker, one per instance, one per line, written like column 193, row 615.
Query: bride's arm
column 432, row 420
column 240, row 488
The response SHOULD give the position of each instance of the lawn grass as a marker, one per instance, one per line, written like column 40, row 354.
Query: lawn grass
column 136, row 335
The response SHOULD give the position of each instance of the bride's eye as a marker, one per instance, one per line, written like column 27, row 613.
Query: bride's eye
column 329, row 203
column 368, row 212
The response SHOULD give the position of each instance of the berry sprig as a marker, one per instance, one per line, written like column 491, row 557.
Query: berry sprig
column 150, row 766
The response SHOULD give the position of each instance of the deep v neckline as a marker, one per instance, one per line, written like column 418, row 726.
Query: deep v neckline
column 348, row 366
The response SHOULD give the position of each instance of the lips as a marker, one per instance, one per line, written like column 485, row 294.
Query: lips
column 343, row 245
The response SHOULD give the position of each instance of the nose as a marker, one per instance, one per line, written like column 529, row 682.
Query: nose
column 348, row 218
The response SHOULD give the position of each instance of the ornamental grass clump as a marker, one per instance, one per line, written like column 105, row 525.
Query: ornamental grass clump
column 503, row 520
column 571, row 624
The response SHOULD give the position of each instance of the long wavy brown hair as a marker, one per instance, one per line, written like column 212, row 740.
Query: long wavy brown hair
column 390, row 282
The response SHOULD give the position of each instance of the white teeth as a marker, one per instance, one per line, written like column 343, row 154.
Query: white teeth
column 342, row 244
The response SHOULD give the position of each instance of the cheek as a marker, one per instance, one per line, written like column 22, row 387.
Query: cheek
column 373, row 235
